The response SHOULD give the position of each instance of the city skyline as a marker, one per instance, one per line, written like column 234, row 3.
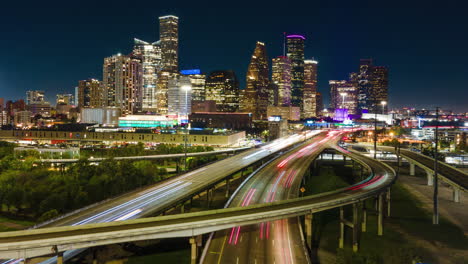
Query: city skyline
column 203, row 45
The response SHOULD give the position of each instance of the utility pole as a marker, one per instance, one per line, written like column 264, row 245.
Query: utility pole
column 375, row 135
column 435, row 219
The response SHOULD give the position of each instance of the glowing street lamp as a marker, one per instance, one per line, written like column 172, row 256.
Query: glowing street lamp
column 343, row 95
column 383, row 103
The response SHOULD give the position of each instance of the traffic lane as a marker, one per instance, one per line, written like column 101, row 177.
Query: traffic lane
column 123, row 212
column 282, row 237
column 273, row 182
column 230, row 165
column 226, row 240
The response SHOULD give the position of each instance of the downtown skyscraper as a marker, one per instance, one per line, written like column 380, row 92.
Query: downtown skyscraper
column 372, row 86
column 295, row 52
column 122, row 78
column 150, row 57
column 91, row 94
column 281, row 78
column 310, row 89
column 169, row 39
column 256, row 94
column 223, row 88
column 343, row 95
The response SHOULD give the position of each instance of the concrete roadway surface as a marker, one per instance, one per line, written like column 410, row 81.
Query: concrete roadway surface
column 271, row 242
column 162, row 195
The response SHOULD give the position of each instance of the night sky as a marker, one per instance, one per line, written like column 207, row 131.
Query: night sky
column 49, row 45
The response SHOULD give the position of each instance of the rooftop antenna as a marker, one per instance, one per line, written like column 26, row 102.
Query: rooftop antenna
column 284, row 44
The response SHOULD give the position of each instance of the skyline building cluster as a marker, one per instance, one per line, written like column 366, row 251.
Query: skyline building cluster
column 366, row 91
column 148, row 81
column 293, row 81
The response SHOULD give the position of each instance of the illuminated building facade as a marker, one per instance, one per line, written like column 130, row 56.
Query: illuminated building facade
column 310, row 89
column 256, row 95
column 372, row 84
column 343, row 95
column 223, row 88
column 161, row 93
column 169, row 38
column 150, row 56
column 295, row 52
column 180, row 96
column 379, row 90
column 198, row 80
column 281, row 77
column 67, row 99
column 34, row 97
column 91, row 94
column 122, row 78
column 147, row 121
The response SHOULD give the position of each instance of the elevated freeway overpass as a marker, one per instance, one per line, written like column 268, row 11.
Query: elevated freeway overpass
column 152, row 157
column 454, row 177
column 30, row 243
column 174, row 191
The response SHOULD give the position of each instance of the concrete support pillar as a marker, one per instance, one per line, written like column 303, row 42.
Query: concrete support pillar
column 227, row 187
column 333, row 156
column 94, row 253
column 456, row 195
column 342, row 226
column 355, row 227
column 430, row 178
column 182, row 208
column 194, row 250
column 364, row 217
column 411, row 169
column 208, row 198
column 60, row 258
column 308, row 228
column 380, row 216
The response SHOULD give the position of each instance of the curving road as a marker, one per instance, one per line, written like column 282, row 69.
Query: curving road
column 269, row 242
column 166, row 194
column 282, row 241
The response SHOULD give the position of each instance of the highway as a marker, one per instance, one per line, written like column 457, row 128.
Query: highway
column 166, row 194
column 447, row 173
column 268, row 242
column 151, row 157
column 452, row 174
column 38, row 242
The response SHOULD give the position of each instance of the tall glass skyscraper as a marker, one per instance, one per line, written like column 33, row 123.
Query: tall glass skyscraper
column 295, row 52
column 150, row 57
column 281, row 77
column 372, row 84
column 256, row 95
column 310, row 89
column 223, row 88
column 169, row 37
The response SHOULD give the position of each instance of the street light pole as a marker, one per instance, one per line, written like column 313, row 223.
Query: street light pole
column 435, row 219
column 375, row 135
column 186, row 88
column 343, row 95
